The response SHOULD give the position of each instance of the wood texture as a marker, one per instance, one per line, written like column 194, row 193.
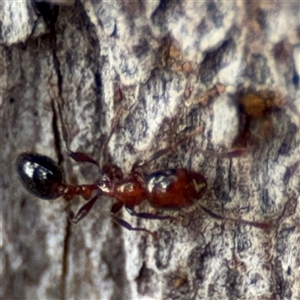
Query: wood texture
column 171, row 67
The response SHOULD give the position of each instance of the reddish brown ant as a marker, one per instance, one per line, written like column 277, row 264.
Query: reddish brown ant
column 168, row 189
column 164, row 189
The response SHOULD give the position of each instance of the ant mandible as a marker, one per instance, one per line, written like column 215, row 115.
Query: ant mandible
column 164, row 189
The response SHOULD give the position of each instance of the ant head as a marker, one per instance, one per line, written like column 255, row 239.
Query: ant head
column 40, row 175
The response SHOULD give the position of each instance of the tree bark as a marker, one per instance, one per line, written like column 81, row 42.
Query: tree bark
column 228, row 68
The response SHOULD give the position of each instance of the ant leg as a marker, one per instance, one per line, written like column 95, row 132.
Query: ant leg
column 167, row 149
column 83, row 211
column 115, row 209
column 265, row 226
column 81, row 157
column 148, row 215
column 239, row 151
column 113, row 126
column 234, row 153
column 77, row 156
column 230, row 154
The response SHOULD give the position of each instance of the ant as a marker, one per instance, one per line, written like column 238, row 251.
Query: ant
column 163, row 189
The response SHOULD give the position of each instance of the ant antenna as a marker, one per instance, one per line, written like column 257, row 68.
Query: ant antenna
column 265, row 226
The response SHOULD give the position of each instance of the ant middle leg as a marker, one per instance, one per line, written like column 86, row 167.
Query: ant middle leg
column 115, row 209
column 230, row 154
column 167, row 150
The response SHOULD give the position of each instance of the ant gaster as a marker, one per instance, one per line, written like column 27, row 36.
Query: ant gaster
column 164, row 189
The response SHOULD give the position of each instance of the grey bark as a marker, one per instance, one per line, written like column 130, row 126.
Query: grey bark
column 171, row 67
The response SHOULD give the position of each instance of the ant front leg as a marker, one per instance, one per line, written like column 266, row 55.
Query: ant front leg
column 149, row 216
column 116, row 209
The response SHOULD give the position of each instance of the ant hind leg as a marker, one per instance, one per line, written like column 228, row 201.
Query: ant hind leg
column 83, row 211
column 83, row 157
column 77, row 156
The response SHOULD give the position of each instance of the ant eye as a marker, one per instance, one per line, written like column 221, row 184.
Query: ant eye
column 40, row 175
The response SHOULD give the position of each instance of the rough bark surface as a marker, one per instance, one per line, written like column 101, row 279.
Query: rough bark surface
column 171, row 66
